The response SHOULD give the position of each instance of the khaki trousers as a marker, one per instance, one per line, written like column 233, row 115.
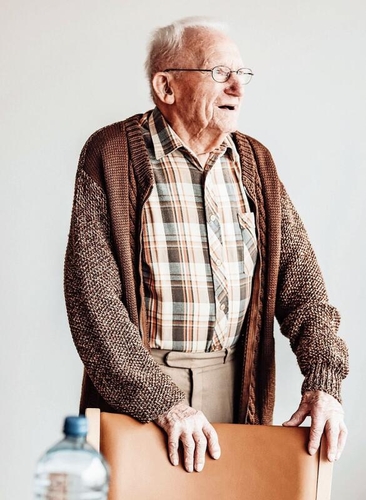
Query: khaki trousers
column 207, row 379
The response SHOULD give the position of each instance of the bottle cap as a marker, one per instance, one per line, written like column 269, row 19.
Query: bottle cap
column 76, row 426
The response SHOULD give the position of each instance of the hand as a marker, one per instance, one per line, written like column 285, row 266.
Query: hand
column 184, row 423
column 326, row 414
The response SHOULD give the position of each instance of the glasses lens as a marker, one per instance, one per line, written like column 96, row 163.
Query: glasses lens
column 221, row 74
column 245, row 75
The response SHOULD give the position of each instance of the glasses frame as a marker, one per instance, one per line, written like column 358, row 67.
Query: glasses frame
column 247, row 71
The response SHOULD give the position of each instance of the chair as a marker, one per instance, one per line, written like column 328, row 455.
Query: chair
column 257, row 463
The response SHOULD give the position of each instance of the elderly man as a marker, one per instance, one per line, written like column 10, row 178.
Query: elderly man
column 183, row 247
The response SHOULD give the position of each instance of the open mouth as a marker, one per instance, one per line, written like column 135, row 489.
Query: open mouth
column 230, row 108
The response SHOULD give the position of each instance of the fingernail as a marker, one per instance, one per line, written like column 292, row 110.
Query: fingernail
column 174, row 460
column 199, row 467
column 331, row 457
column 216, row 455
column 312, row 450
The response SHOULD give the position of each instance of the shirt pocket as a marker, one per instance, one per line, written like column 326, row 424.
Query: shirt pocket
column 246, row 222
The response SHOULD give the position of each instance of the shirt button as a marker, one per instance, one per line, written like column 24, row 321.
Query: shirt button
column 213, row 218
column 222, row 307
column 218, row 262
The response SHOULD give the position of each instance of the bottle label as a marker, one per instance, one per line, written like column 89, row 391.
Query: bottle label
column 63, row 486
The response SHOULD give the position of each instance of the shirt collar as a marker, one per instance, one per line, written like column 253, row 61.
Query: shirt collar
column 163, row 137
column 231, row 148
column 165, row 140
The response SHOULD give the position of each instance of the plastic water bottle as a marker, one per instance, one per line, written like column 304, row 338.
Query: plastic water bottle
column 72, row 469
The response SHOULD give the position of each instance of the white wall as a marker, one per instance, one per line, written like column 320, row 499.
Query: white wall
column 68, row 68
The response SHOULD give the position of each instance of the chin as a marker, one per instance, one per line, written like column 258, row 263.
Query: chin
column 225, row 127
column 229, row 125
column 230, row 128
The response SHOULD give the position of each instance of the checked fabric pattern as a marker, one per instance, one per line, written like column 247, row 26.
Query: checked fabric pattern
column 199, row 244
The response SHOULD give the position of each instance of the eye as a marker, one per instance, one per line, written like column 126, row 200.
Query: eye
column 221, row 71
column 244, row 71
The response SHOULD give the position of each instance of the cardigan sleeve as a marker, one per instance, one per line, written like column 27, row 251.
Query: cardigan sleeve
column 303, row 310
column 109, row 344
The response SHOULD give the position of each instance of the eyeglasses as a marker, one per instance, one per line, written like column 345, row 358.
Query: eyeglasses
column 221, row 74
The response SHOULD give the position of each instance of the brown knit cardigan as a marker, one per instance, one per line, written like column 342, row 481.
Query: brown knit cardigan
column 104, row 292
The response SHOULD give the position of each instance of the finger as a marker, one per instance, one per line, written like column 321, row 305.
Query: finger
column 342, row 438
column 188, row 448
column 316, row 432
column 200, row 451
column 173, row 445
column 332, row 433
column 298, row 417
column 213, row 445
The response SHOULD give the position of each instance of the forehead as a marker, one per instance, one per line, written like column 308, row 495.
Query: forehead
column 211, row 48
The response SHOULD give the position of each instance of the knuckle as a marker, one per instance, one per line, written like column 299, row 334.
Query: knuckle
column 316, row 434
column 333, row 428
column 320, row 407
column 189, row 449
column 201, row 443
column 174, row 428
column 173, row 446
column 199, row 418
column 209, row 431
column 188, row 445
column 318, row 422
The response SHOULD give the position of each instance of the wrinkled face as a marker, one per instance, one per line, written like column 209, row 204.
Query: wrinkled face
column 201, row 104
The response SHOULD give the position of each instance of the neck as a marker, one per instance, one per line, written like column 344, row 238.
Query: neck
column 200, row 142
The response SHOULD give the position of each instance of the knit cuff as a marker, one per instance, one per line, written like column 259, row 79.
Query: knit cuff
column 321, row 378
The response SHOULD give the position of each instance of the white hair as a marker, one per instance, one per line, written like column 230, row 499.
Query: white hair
column 166, row 42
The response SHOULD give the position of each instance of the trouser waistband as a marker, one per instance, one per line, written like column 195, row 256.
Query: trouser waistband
column 178, row 359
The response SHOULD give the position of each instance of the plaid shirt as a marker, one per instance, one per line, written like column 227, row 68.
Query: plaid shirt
column 199, row 244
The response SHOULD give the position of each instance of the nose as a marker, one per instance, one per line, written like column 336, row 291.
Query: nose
column 234, row 86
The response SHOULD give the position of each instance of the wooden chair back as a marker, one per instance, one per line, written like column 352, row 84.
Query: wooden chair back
column 257, row 463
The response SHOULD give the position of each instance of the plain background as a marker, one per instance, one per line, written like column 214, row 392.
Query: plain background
column 71, row 67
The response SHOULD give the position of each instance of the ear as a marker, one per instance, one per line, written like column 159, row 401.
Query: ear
column 162, row 87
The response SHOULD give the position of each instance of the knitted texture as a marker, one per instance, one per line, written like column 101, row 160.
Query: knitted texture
column 104, row 293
